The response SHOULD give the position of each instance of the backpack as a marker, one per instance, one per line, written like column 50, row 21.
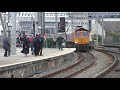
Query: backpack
column 41, row 39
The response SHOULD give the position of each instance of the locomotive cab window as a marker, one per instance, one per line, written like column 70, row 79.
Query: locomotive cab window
column 77, row 34
column 85, row 34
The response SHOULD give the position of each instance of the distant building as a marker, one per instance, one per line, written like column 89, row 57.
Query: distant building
column 25, row 21
column 78, row 19
column 112, row 24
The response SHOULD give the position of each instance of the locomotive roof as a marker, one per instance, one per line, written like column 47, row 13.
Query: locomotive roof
column 81, row 29
column 69, row 32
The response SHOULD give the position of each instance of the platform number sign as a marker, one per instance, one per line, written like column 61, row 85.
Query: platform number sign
column 61, row 25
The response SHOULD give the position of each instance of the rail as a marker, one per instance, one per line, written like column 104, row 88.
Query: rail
column 108, row 68
column 70, row 67
column 76, row 73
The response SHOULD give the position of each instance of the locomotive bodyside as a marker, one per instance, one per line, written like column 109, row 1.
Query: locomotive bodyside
column 70, row 39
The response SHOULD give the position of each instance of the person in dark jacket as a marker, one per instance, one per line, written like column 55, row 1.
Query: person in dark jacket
column 60, row 41
column 36, row 45
column 31, row 42
column 54, row 44
column 33, row 46
column 6, row 46
column 26, row 45
column 41, row 43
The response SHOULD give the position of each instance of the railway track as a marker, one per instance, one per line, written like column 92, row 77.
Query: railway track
column 66, row 72
column 85, row 67
column 87, row 61
column 110, row 66
column 80, row 65
column 104, row 62
column 115, row 71
column 61, row 68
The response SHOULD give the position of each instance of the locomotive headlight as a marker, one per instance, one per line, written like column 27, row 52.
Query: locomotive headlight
column 76, row 41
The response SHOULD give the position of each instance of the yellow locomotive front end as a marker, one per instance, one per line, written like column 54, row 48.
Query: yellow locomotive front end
column 81, row 39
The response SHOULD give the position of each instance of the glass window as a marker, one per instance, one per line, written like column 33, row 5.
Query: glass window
column 85, row 34
column 77, row 34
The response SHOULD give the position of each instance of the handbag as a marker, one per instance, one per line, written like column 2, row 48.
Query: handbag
column 22, row 51
column 63, row 44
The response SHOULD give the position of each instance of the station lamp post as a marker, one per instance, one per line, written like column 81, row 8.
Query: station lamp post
column 33, row 23
column 102, row 30
column 43, row 23
column 33, row 28
column 56, row 24
column 13, row 33
column 9, row 25
column 36, row 22
column 97, row 32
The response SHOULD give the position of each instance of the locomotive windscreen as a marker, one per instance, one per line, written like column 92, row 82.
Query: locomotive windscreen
column 85, row 34
column 77, row 34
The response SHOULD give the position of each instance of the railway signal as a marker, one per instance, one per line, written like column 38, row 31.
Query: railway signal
column 61, row 25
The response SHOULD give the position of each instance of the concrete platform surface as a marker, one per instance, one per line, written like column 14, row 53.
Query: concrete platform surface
column 20, row 57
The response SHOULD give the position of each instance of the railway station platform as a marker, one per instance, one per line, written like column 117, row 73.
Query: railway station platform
column 20, row 66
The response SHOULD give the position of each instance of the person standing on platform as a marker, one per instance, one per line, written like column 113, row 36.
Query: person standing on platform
column 36, row 45
column 6, row 46
column 54, row 43
column 18, row 40
column 41, row 43
column 26, row 43
column 60, row 41
column 21, row 40
column 31, row 42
